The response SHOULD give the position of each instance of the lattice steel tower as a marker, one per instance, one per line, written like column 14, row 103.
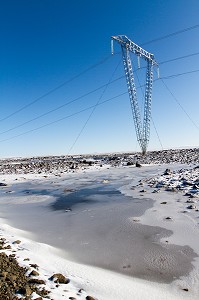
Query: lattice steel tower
column 142, row 129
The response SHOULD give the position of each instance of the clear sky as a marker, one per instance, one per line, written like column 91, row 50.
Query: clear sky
column 45, row 43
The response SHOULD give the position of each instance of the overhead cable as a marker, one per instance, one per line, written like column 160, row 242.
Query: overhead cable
column 93, row 110
column 90, row 68
column 82, row 96
column 61, row 106
column 55, row 89
column 179, row 74
column 180, row 105
column 61, row 119
column 171, row 34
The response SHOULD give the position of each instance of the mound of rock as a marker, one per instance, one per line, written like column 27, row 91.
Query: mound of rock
column 63, row 164
column 14, row 282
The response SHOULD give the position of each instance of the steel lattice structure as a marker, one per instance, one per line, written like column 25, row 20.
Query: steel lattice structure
column 142, row 129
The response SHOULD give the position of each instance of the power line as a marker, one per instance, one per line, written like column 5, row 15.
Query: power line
column 179, row 74
column 171, row 34
column 178, row 58
column 65, row 104
column 93, row 110
column 61, row 119
column 56, row 88
column 174, row 59
column 157, row 133
column 88, row 69
column 105, row 101
column 78, row 98
column 61, row 106
column 92, row 67
column 180, row 105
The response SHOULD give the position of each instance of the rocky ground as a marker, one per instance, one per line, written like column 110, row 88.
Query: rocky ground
column 184, row 181
column 65, row 164
column 24, row 282
column 17, row 281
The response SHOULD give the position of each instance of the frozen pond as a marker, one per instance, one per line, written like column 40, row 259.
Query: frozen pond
column 95, row 224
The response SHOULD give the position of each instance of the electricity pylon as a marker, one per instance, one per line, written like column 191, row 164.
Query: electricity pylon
column 142, row 129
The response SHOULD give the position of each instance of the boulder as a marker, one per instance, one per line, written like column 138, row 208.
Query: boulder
column 138, row 165
column 167, row 172
column 59, row 278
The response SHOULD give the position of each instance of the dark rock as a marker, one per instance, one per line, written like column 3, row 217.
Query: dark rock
column 36, row 281
column 164, row 202
column 138, row 165
column 43, row 293
column 13, row 280
column 89, row 298
column 187, row 183
column 59, row 278
column 28, row 290
column 35, row 266
column 156, row 191
column 188, row 194
column 167, row 172
column 34, row 273
column 25, row 291
column 195, row 187
column 7, row 247
column 17, row 242
column 191, row 206
column 190, row 201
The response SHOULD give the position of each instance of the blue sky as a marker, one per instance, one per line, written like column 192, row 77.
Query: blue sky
column 44, row 43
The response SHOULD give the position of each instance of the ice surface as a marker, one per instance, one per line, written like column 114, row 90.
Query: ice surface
column 109, row 232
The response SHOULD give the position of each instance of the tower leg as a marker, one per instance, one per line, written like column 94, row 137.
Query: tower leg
column 132, row 94
column 147, row 106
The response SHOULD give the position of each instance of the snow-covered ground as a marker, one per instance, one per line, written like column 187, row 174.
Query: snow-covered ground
column 158, row 239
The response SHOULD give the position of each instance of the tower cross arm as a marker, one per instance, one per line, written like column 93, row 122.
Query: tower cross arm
column 124, row 41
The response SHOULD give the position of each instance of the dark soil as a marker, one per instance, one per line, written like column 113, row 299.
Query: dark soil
column 13, row 279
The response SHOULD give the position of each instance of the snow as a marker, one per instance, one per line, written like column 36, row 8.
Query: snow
column 104, row 284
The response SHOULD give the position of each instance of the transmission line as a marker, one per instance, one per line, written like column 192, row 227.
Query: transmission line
column 157, row 133
column 180, row 105
column 78, row 98
column 140, row 86
column 103, row 102
column 178, row 58
column 179, row 74
column 93, row 110
column 56, row 88
column 61, row 106
column 88, row 69
column 94, row 66
column 61, row 119
column 171, row 34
